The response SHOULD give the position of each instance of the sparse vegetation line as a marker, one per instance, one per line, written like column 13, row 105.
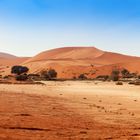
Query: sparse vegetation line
column 25, row 128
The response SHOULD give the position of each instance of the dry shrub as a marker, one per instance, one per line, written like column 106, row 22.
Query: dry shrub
column 119, row 83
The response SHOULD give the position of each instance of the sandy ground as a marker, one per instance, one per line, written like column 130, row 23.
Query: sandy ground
column 70, row 111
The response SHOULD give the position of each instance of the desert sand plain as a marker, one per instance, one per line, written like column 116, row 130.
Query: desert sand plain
column 70, row 110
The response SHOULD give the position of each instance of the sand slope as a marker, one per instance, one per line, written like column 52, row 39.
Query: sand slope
column 73, row 61
column 8, row 60
column 68, row 53
column 6, row 55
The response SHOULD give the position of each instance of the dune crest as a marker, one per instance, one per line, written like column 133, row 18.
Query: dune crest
column 68, row 53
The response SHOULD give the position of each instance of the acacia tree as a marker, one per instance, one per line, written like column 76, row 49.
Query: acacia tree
column 49, row 75
column 20, row 72
column 52, row 73
column 125, row 73
column 115, row 75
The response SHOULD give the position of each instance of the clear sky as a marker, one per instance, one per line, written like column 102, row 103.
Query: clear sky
column 31, row 26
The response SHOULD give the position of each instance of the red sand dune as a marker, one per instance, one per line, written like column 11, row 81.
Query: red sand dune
column 10, row 62
column 68, row 53
column 6, row 55
column 73, row 61
column 113, row 58
column 7, row 60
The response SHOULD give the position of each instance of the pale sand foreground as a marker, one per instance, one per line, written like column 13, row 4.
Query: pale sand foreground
column 70, row 111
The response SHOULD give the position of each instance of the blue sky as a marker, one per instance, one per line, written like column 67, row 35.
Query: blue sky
column 31, row 26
